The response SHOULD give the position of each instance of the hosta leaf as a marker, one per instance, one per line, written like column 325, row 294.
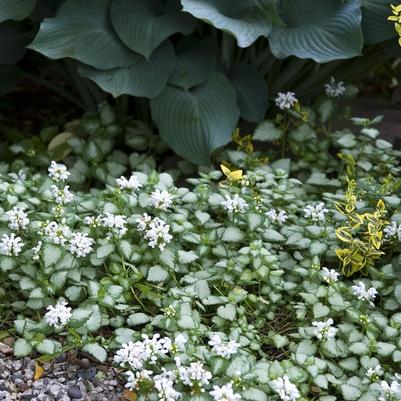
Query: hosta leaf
column 195, row 62
column 251, row 90
column 144, row 24
column 241, row 18
column 375, row 26
column 197, row 121
column 82, row 31
column 15, row 10
column 142, row 78
column 323, row 31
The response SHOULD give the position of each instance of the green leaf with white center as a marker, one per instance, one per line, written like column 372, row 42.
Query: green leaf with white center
column 279, row 340
column 197, row 121
column 51, row 254
column 267, row 131
column 22, row 348
column 239, row 366
column 6, row 263
column 95, row 320
column 137, row 319
column 227, row 312
column 350, row 393
column 124, row 335
column 254, row 394
column 16, row 10
column 73, row 293
column 95, row 350
column 48, row 347
column 232, row 234
column 241, row 18
column 82, row 31
column 143, row 25
column 142, row 78
column 27, row 283
column 272, row 235
column 104, row 251
column 157, row 274
column 323, row 31
column 385, row 349
column 187, row 257
column 320, row 310
column 359, row 348
column 321, row 381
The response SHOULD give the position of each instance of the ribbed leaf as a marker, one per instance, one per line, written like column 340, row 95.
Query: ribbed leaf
column 196, row 61
column 251, row 90
column 15, row 10
column 197, row 121
column 375, row 26
column 82, row 31
column 143, row 78
column 244, row 19
column 144, row 24
column 323, row 30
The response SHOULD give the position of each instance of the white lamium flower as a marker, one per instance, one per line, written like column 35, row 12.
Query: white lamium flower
column 364, row 294
column 157, row 234
column 116, row 223
column 390, row 392
column 93, row 221
column 58, row 172
column 161, row 199
column 57, row 232
column 164, row 385
column 18, row 219
column 143, row 222
column 374, row 373
column 11, row 245
column 193, row 375
column 393, row 230
column 235, row 204
column 131, row 184
column 330, row 276
column 278, row 218
column 224, row 393
column 81, row 245
column 132, row 354
column 224, row 349
column 36, row 250
column 62, row 196
column 315, row 213
column 286, row 390
column 324, row 330
column 180, row 342
column 156, row 347
column 134, row 380
column 285, row 100
column 58, row 315
column 335, row 89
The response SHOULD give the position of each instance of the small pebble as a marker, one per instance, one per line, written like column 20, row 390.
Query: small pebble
column 74, row 392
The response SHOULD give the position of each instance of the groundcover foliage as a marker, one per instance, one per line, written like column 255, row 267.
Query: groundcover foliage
column 235, row 288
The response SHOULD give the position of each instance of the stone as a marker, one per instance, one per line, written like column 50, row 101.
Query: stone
column 74, row 392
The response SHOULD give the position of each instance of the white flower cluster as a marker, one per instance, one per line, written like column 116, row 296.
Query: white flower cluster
column 135, row 379
column 58, row 172
column 390, row 392
column 81, row 245
column 131, row 184
column 364, row 294
column 164, row 384
column 18, row 219
column 161, row 199
column 36, row 250
column 156, row 231
column 63, row 195
column 393, row 230
column 335, row 89
column 330, row 276
column 374, row 373
column 193, row 375
column 58, row 315
column 324, row 330
column 223, row 349
column 11, row 245
column 286, row 390
column 278, row 218
column 116, row 223
column 58, row 233
column 235, row 204
column 285, row 100
column 315, row 213
column 224, row 393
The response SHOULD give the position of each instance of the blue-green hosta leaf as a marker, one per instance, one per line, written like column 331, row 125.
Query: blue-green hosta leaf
column 142, row 78
column 375, row 26
column 82, row 31
column 196, row 61
column 242, row 18
column 144, row 24
column 251, row 90
column 323, row 30
column 197, row 121
column 15, row 10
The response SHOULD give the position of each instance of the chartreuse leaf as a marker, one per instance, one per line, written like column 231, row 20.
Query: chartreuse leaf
column 195, row 122
column 82, row 31
column 142, row 78
column 242, row 18
column 144, row 24
column 15, row 10
column 375, row 26
column 323, row 31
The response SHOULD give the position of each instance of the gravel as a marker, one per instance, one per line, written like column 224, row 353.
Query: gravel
column 63, row 380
